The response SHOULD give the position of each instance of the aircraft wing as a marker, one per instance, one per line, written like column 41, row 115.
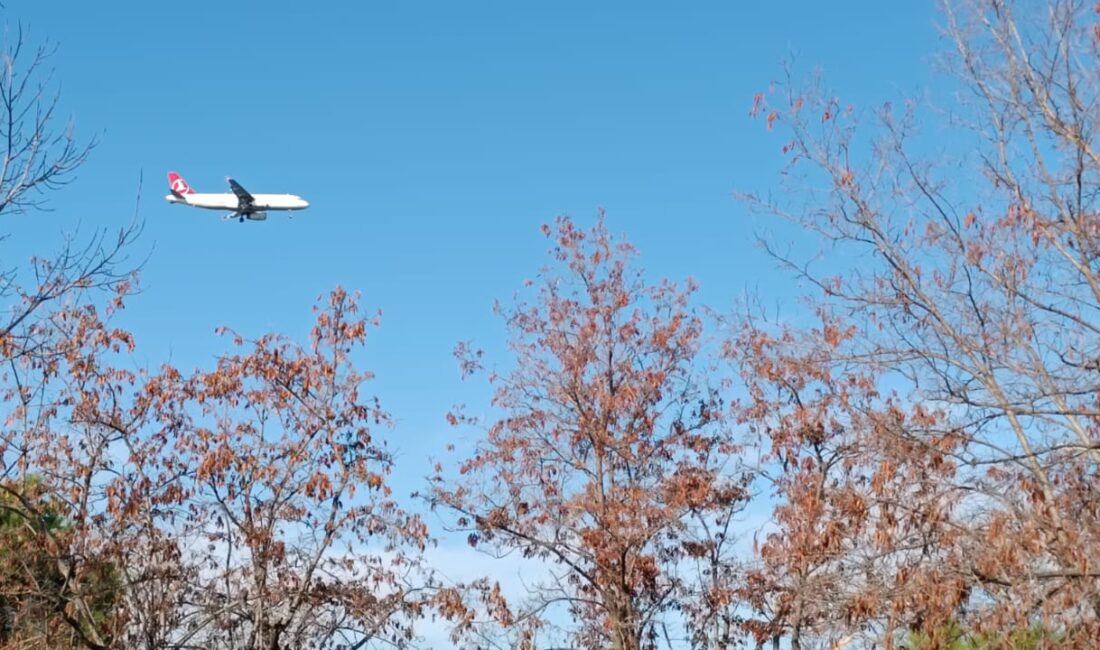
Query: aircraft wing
column 242, row 194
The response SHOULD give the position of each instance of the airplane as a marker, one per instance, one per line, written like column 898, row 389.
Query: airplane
column 244, row 205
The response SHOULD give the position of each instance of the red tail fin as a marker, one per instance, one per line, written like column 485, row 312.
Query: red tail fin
column 178, row 185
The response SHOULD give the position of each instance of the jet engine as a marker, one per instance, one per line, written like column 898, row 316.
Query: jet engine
column 257, row 216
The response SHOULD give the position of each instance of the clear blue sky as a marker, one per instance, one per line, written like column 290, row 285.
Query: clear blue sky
column 432, row 139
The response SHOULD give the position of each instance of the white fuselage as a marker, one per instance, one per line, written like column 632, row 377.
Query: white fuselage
column 228, row 201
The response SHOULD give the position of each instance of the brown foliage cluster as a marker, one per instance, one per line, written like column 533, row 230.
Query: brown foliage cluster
column 937, row 433
column 610, row 464
column 244, row 506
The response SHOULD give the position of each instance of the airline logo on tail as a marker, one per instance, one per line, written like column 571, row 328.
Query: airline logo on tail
column 178, row 185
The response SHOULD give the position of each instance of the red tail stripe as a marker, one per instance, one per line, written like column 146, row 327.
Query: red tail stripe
column 178, row 185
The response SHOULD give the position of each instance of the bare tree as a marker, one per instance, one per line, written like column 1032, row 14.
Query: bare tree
column 39, row 154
